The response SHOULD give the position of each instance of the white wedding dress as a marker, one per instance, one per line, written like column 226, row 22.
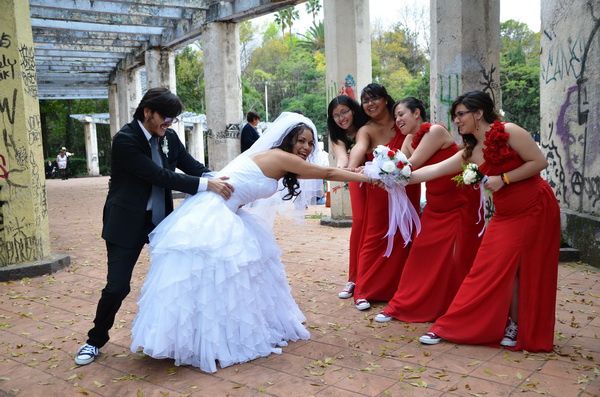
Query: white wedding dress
column 216, row 289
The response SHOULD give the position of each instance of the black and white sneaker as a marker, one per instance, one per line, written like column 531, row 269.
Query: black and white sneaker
column 86, row 354
column 510, row 334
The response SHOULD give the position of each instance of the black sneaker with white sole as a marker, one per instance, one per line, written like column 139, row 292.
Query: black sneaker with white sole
column 86, row 354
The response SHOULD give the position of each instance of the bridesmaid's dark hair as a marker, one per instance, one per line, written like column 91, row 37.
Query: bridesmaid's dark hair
column 359, row 118
column 474, row 101
column 413, row 104
column 375, row 90
column 290, row 180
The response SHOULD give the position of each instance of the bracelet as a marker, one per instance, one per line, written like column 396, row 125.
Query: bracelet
column 505, row 178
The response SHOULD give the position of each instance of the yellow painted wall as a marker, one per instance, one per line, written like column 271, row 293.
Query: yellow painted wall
column 24, row 235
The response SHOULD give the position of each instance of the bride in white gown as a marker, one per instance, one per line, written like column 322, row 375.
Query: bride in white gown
column 216, row 290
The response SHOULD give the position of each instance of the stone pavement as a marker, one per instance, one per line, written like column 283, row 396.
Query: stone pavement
column 44, row 320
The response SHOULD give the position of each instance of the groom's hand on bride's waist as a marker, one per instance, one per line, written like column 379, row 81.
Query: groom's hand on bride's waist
column 220, row 186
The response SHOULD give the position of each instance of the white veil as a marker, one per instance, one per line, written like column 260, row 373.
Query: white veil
column 310, row 189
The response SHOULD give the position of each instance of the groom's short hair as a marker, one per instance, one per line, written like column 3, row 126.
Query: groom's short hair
column 160, row 100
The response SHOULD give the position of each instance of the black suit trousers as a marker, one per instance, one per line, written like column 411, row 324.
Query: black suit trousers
column 121, row 261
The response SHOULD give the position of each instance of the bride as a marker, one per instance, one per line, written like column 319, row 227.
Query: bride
column 216, row 291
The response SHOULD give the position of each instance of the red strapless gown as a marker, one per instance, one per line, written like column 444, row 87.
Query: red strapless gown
column 378, row 276
column 442, row 253
column 358, row 193
column 523, row 237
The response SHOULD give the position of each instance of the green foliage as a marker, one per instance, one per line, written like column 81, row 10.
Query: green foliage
column 189, row 68
column 285, row 19
column 58, row 129
column 397, row 59
column 519, row 74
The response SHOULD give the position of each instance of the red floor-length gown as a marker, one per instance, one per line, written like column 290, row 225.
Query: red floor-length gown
column 377, row 275
column 442, row 254
column 358, row 193
column 523, row 237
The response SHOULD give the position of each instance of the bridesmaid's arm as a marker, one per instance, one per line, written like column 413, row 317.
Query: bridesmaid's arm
column 340, row 153
column 452, row 165
column 359, row 151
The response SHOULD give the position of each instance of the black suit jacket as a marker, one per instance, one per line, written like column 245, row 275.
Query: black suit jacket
column 132, row 176
column 249, row 135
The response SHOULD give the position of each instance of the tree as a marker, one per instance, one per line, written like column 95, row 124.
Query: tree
column 314, row 39
column 397, row 58
column 519, row 74
column 285, row 19
column 313, row 7
column 189, row 68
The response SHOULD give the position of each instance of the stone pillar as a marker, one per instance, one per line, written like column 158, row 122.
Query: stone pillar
column 91, row 146
column 570, row 117
column 160, row 72
column 129, row 90
column 195, row 139
column 24, row 232
column 465, row 53
column 348, row 58
column 113, row 109
column 223, row 88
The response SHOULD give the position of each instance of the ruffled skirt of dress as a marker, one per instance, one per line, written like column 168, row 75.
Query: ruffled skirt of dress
column 216, row 289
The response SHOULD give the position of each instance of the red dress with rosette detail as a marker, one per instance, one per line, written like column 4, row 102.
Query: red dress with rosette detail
column 521, row 244
column 377, row 275
column 442, row 254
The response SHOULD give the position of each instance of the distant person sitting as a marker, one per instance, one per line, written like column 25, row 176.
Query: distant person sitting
column 249, row 132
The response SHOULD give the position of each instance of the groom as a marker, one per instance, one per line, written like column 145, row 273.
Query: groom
column 145, row 154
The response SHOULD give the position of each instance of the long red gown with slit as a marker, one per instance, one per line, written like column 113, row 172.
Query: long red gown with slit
column 442, row 254
column 377, row 275
column 523, row 237
column 358, row 193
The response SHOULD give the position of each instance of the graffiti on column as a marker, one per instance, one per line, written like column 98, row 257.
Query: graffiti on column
column 555, row 173
column 577, row 127
column 7, row 113
column 28, row 70
column 488, row 84
column 449, row 90
column 21, row 247
column 349, row 87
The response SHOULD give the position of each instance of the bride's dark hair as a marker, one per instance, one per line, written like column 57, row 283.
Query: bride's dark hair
column 290, row 180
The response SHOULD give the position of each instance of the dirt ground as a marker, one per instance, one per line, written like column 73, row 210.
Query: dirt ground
column 45, row 319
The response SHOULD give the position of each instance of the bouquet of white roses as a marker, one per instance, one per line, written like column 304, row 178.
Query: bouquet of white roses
column 389, row 165
column 470, row 175
column 393, row 168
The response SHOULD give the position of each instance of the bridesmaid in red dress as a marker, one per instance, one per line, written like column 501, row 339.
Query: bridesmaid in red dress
column 377, row 275
column 443, row 252
column 509, row 295
column 344, row 118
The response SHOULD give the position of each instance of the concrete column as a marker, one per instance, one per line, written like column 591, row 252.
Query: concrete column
column 24, row 234
column 223, row 88
column 465, row 52
column 91, row 147
column 570, row 117
column 195, row 140
column 113, row 109
column 348, row 58
column 129, row 94
column 160, row 72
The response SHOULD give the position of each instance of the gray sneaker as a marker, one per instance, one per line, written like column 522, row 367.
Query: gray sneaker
column 510, row 334
column 86, row 354
column 348, row 291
